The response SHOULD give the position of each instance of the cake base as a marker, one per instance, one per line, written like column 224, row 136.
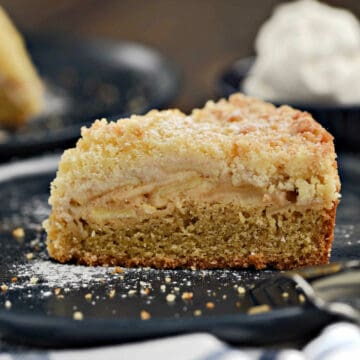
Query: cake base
column 202, row 236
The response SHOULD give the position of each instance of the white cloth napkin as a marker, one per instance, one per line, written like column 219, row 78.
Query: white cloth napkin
column 336, row 342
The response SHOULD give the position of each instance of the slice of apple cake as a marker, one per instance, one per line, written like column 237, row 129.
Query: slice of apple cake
column 238, row 183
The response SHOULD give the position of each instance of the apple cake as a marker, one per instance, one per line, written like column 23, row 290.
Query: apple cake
column 239, row 183
column 21, row 90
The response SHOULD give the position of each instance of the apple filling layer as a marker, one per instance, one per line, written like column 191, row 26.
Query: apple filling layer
column 174, row 191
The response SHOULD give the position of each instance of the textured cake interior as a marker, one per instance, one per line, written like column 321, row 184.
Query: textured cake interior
column 238, row 183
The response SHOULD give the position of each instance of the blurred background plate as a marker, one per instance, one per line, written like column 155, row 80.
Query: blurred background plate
column 89, row 79
column 45, row 295
column 342, row 121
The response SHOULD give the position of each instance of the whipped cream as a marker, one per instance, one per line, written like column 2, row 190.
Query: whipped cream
column 307, row 52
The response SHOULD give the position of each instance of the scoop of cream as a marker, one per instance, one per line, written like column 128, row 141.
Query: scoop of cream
column 307, row 52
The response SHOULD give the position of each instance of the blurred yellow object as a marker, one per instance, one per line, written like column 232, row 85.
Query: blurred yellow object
column 21, row 90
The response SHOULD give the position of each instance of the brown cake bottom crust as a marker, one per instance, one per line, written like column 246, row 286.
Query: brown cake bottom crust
column 203, row 236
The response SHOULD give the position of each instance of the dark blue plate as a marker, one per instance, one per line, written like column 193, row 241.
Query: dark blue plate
column 89, row 79
column 41, row 316
column 342, row 121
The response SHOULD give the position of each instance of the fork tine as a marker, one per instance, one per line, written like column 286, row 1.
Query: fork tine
column 276, row 293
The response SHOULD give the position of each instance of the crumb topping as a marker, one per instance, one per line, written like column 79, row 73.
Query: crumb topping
column 170, row 298
column 243, row 142
column 259, row 309
column 8, row 304
column 78, row 315
column 145, row 315
column 18, row 233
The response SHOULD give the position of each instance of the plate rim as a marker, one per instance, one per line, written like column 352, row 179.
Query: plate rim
column 11, row 322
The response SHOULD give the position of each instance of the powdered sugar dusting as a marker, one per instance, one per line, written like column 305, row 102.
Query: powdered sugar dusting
column 54, row 275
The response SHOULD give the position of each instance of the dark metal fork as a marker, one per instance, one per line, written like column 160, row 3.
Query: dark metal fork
column 333, row 289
